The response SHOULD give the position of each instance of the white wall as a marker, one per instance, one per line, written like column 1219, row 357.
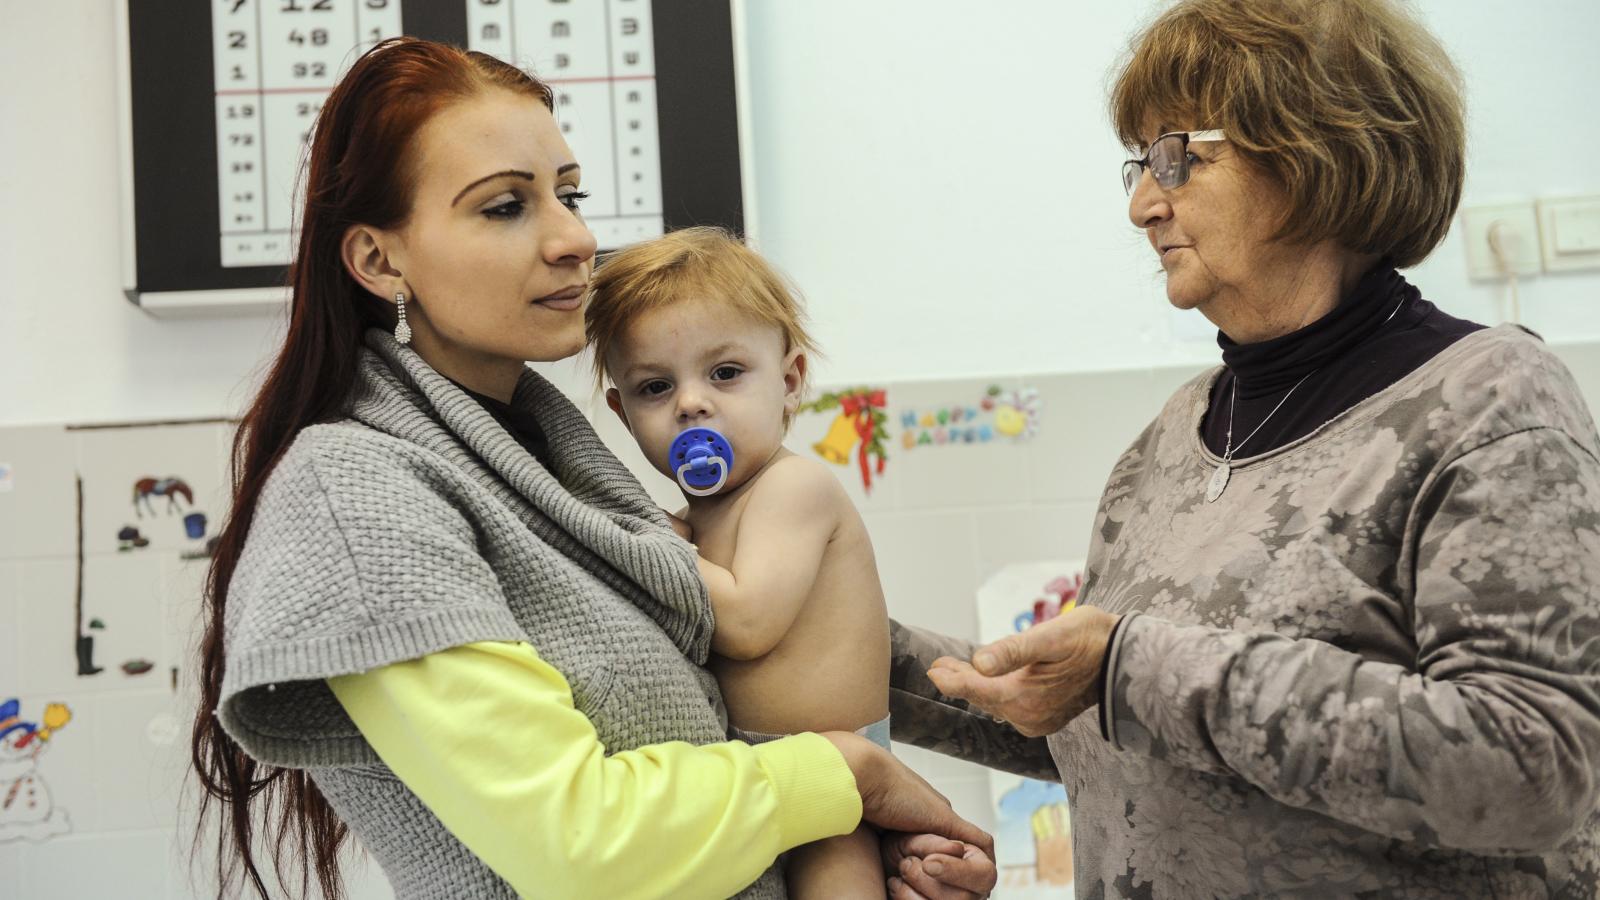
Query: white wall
column 71, row 347
column 941, row 178
column 938, row 176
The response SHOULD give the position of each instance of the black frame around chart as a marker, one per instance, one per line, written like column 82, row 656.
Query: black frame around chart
column 174, row 151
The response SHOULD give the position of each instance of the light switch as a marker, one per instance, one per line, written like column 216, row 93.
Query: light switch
column 1577, row 229
column 1570, row 233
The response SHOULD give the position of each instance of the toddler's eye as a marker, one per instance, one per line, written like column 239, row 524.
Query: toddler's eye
column 654, row 388
column 725, row 373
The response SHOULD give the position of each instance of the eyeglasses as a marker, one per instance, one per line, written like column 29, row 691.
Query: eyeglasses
column 1167, row 159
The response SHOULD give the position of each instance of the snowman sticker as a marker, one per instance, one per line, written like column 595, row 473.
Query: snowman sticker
column 25, row 807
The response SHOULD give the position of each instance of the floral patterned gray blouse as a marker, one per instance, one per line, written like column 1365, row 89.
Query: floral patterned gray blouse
column 1371, row 667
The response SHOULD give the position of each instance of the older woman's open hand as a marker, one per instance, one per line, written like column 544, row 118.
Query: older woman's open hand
column 1038, row 680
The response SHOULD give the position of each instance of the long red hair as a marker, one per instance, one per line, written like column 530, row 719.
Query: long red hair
column 359, row 173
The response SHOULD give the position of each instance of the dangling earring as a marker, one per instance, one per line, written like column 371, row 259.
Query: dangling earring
column 402, row 331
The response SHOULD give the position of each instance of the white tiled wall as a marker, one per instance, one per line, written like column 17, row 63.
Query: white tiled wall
column 942, row 519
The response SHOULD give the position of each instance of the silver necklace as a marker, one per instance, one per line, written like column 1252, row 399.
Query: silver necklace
column 1219, row 478
column 1224, row 471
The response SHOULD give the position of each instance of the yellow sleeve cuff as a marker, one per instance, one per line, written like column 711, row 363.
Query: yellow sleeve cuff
column 816, row 792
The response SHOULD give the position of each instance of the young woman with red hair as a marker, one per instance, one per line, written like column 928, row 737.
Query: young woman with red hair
column 443, row 617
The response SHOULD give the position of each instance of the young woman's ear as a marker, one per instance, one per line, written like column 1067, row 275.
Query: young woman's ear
column 794, row 380
column 368, row 255
column 614, row 400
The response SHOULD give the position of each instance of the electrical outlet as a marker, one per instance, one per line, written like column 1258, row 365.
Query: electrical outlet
column 1517, row 228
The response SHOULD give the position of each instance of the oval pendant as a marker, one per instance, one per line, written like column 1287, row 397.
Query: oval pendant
column 1219, row 483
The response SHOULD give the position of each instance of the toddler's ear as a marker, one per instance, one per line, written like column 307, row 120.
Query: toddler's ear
column 614, row 400
column 794, row 379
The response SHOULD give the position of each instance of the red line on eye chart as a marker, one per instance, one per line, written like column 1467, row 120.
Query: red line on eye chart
column 247, row 92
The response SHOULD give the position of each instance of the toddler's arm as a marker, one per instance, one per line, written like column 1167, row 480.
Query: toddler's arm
column 792, row 515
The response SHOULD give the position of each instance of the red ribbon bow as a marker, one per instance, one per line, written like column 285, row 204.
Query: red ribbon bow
column 859, row 407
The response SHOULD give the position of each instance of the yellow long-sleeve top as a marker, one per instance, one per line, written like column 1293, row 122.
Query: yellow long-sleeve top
column 531, row 791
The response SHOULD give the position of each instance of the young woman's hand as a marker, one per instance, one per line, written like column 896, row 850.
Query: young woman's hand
column 932, row 867
column 894, row 798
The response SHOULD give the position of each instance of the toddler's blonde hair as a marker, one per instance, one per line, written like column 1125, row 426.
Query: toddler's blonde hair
column 699, row 263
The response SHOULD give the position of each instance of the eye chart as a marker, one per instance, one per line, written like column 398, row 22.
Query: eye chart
column 275, row 62
column 599, row 58
column 219, row 97
column 277, row 59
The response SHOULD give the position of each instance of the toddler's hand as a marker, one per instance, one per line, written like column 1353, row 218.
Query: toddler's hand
column 932, row 867
column 681, row 527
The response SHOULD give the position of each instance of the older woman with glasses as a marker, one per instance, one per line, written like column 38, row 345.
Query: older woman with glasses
column 1343, row 621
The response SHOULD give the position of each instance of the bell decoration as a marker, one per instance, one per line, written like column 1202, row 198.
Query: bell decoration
column 860, row 426
column 835, row 447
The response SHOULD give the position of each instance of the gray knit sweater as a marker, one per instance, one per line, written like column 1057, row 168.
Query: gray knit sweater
column 418, row 524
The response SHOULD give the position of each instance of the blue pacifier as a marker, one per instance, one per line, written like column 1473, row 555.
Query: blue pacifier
column 702, row 460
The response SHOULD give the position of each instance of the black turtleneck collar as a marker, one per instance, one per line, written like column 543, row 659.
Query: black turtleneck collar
column 519, row 423
column 1380, row 332
column 1273, row 366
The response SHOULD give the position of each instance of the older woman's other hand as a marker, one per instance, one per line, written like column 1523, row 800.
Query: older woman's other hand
column 931, row 867
column 1038, row 680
